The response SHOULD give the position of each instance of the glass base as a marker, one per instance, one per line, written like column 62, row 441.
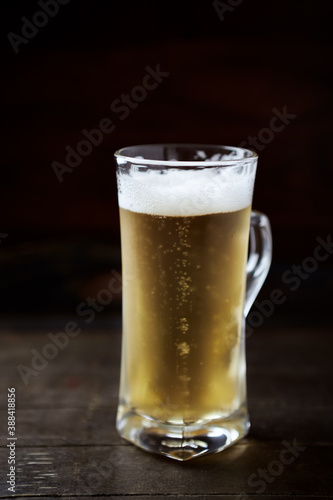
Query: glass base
column 182, row 442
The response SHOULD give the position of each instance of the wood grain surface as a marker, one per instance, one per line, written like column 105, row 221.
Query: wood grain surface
column 67, row 445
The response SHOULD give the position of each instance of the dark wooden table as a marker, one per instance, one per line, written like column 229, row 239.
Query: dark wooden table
column 67, row 445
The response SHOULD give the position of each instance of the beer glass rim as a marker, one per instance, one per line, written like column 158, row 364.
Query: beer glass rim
column 124, row 155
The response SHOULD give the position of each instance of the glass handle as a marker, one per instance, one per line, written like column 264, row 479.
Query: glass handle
column 260, row 257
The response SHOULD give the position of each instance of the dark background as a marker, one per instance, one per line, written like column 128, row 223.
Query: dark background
column 60, row 241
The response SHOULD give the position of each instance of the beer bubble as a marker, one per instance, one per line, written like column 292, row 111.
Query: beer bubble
column 183, row 327
column 183, row 348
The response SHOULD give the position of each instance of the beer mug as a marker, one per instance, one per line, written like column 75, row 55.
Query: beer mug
column 189, row 280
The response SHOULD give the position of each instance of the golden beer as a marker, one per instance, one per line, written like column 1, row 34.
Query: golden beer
column 188, row 281
column 183, row 299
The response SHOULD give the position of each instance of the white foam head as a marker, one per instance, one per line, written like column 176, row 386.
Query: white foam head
column 178, row 192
